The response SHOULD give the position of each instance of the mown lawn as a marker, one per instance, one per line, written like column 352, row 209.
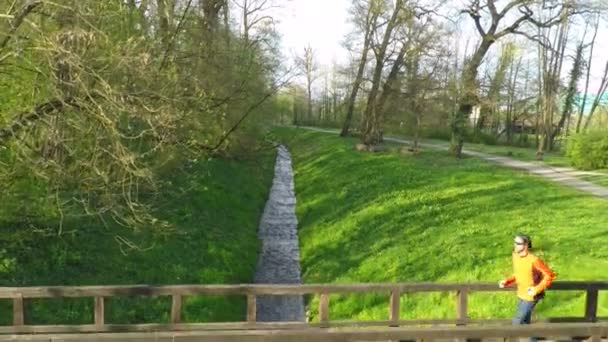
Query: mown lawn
column 214, row 206
column 386, row 217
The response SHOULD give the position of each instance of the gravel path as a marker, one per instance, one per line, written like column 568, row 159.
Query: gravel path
column 279, row 259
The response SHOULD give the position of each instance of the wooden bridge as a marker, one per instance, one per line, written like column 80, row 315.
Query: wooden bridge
column 587, row 326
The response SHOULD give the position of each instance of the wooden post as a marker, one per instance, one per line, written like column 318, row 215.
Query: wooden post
column 597, row 334
column 251, row 308
column 324, row 309
column 394, row 308
column 99, row 311
column 18, row 311
column 461, row 306
column 591, row 305
column 176, row 309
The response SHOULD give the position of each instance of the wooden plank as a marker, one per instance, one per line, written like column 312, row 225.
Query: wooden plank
column 461, row 306
column 331, row 335
column 591, row 304
column 176, row 309
column 394, row 307
column 598, row 333
column 324, row 309
column 251, row 308
column 18, row 311
column 91, row 328
column 99, row 311
column 282, row 289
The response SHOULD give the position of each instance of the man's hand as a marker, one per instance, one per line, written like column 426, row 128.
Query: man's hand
column 531, row 291
column 502, row 284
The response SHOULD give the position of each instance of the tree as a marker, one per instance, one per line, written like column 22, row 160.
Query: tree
column 309, row 68
column 489, row 106
column 589, row 64
column 103, row 100
column 551, row 62
column 371, row 123
column 497, row 29
column 598, row 98
column 255, row 14
column 575, row 75
column 365, row 14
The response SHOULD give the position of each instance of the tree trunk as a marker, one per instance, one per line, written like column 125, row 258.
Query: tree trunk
column 589, row 63
column 369, row 31
column 387, row 88
column 511, row 107
column 163, row 22
column 245, row 22
column 211, row 18
column 309, row 98
column 372, row 134
column 571, row 92
column 598, row 97
column 468, row 98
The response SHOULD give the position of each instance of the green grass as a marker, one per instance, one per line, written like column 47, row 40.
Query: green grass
column 521, row 153
column 599, row 177
column 390, row 218
column 215, row 207
column 555, row 159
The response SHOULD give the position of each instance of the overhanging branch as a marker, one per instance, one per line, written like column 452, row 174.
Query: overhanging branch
column 29, row 118
column 18, row 20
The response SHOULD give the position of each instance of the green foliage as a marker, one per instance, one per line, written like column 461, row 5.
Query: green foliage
column 214, row 206
column 384, row 217
column 136, row 98
column 440, row 133
column 478, row 137
column 589, row 150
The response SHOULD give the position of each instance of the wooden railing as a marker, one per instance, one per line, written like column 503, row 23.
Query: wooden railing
column 592, row 331
column 177, row 292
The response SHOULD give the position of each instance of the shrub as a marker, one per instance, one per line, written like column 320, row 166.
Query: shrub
column 588, row 150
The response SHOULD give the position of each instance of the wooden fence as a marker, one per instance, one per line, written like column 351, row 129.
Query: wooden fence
column 323, row 291
column 592, row 331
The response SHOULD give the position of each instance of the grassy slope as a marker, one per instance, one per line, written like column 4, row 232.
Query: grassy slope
column 556, row 159
column 386, row 217
column 215, row 206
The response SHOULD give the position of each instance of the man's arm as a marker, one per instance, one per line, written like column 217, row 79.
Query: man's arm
column 510, row 280
column 548, row 275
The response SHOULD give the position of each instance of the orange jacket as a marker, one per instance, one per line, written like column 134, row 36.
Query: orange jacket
column 530, row 271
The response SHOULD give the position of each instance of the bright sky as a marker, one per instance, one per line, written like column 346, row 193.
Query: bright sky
column 320, row 23
column 324, row 23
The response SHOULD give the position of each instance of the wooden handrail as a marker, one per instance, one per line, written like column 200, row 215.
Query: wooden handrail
column 270, row 289
column 594, row 330
column 177, row 292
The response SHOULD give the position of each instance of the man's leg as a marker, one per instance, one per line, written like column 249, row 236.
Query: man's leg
column 523, row 314
column 528, row 317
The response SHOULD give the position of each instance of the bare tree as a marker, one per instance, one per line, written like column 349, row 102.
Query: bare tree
column 490, row 104
column 372, row 133
column 524, row 13
column 575, row 75
column 589, row 64
column 309, row 67
column 551, row 62
column 600, row 94
column 366, row 13
column 255, row 13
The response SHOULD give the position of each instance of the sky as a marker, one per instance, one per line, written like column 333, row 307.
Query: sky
column 320, row 23
column 324, row 24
